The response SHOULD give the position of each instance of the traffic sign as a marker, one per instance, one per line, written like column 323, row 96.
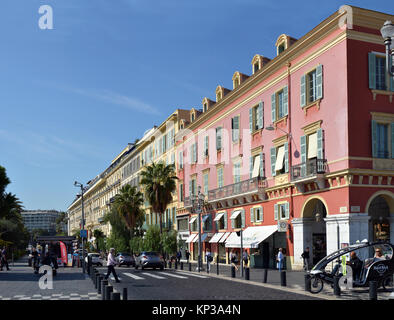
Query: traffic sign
column 84, row 233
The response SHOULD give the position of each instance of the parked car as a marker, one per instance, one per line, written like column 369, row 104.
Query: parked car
column 96, row 259
column 123, row 258
column 149, row 259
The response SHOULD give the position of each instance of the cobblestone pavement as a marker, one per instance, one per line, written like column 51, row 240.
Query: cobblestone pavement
column 20, row 283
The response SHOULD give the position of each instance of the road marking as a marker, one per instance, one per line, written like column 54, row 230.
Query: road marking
column 192, row 275
column 152, row 275
column 173, row 275
column 113, row 278
column 133, row 276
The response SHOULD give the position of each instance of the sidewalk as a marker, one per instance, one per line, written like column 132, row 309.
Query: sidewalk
column 295, row 282
column 20, row 283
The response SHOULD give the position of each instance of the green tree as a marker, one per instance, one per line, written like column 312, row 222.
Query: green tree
column 169, row 241
column 100, row 242
column 159, row 181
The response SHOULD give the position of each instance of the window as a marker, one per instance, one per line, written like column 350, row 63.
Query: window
column 237, row 172
column 181, row 160
column 205, row 107
column 256, row 117
column 207, row 223
column 383, row 138
column 281, row 211
column 192, row 187
column 312, row 86
column 256, row 67
column 378, row 77
column 238, row 218
column 182, row 225
column 205, row 183
column 206, row 146
column 256, row 214
column 219, row 138
column 257, row 166
column 279, row 104
column 279, row 159
column 235, row 128
column 281, row 48
column 220, row 177
column 193, row 116
column 193, row 153
column 181, row 192
column 221, row 220
column 193, row 224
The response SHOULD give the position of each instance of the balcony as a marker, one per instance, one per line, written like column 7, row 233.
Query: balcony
column 308, row 172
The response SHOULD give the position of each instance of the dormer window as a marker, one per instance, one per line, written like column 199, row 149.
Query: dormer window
column 193, row 117
column 256, row 67
column 220, row 93
column 206, row 104
column 205, row 107
column 281, row 48
column 218, row 96
column 284, row 41
column 238, row 78
column 258, row 62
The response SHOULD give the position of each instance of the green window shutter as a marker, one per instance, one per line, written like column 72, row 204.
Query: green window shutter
column 260, row 119
column 251, row 215
column 225, row 220
column 250, row 167
column 273, row 107
column 276, row 211
column 218, row 138
column 206, row 146
column 287, row 210
column 303, row 91
column 303, row 155
column 392, row 140
column 286, row 157
column 273, row 160
column 372, row 70
column 320, row 149
column 243, row 219
column 319, row 82
column 262, row 165
column 262, row 213
column 374, row 139
column 285, row 101
column 251, row 120
column 190, row 188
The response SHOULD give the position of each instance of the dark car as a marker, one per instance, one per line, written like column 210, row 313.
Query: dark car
column 123, row 258
column 149, row 259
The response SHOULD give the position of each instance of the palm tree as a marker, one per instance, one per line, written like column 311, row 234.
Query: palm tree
column 159, row 183
column 128, row 205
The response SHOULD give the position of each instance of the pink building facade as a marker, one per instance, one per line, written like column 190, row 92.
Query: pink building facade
column 298, row 154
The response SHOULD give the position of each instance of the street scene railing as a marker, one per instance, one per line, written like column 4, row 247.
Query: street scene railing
column 308, row 169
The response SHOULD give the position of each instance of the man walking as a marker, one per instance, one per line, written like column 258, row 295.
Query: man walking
column 279, row 259
column 305, row 258
column 187, row 255
column 4, row 259
column 209, row 259
column 111, row 265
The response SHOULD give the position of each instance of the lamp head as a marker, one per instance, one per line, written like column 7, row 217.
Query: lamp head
column 387, row 30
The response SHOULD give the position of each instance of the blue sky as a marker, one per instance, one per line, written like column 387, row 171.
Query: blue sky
column 71, row 98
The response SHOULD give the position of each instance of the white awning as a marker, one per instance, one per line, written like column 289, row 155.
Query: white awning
column 312, row 146
column 192, row 220
column 190, row 238
column 256, row 167
column 216, row 237
column 279, row 158
column 224, row 238
column 203, row 237
column 219, row 216
column 235, row 214
column 233, row 241
column 253, row 236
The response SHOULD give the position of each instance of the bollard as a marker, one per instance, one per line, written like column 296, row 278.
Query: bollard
column 373, row 290
column 181, row 265
column 283, row 278
column 176, row 264
column 115, row 296
column 108, row 291
column 265, row 275
column 95, row 280
column 124, row 296
column 207, row 266
column 232, row 272
column 169, row 264
column 99, row 283
column 337, row 288
column 307, row 279
column 217, row 265
column 247, row 274
column 104, row 284
column 190, row 267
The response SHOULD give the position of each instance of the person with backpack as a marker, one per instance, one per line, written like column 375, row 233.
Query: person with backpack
column 209, row 259
column 233, row 259
column 245, row 259
column 187, row 255
column 305, row 258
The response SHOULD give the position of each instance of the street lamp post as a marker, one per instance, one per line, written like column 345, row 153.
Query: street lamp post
column 387, row 32
column 197, row 204
column 77, row 184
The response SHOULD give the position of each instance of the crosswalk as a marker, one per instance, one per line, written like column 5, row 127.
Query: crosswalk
column 158, row 275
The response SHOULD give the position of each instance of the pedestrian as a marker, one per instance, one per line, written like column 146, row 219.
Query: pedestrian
column 187, row 253
column 245, row 259
column 209, row 259
column 179, row 256
column 233, row 260
column 279, row 259
column 4, row 261
column 111, row 265
column 305, row 258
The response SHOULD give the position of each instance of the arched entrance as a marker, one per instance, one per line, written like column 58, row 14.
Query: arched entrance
column 314, row 212
column 380, row 224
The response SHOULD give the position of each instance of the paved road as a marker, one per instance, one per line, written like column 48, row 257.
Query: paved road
column 183, row 285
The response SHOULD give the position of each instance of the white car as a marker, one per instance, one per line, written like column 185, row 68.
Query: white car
column 96, row 259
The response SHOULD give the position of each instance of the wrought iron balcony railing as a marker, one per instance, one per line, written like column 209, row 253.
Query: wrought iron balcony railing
column 308, row 169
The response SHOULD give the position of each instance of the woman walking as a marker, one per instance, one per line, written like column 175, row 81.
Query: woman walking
column 111, row 265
